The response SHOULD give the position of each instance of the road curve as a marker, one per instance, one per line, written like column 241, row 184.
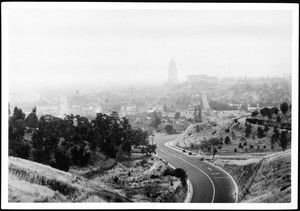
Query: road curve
column 210, row 184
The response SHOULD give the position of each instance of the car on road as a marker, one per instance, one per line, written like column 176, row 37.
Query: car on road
column 201, row 159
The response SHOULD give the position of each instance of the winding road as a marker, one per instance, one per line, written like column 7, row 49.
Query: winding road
column 210, row 184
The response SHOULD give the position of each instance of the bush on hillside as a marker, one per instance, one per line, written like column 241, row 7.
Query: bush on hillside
column 254, row 113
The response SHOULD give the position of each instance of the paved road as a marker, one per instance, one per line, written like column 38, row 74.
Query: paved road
column 210, row 184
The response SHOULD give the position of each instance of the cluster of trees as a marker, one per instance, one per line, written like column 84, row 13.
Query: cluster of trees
column 63, row 142
column 284, row 107
column 218, row 106
column 178, row 172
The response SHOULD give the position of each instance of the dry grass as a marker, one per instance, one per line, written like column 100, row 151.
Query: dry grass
column 34, row 182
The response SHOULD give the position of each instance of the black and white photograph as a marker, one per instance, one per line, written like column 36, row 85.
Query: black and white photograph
column 110, row 105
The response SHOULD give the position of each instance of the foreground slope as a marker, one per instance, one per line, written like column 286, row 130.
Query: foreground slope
column 34, row 182
column 266, row 179
column 138, row 180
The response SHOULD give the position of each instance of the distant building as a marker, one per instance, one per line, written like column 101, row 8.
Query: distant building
column 172, row 74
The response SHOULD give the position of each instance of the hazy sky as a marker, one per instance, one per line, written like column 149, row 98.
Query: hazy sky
column 55, row 47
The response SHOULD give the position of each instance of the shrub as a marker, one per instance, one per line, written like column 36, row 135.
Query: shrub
column 154, row 176
column 168, row 171
column 266, row 128
column 143, row 162
column 265, row 146
column 266, row 111
column 116, row 179
column 190, row 153
column 254, row 113
column 240, row 145
column 245, row 144
column 227, row 130
column 235, row 150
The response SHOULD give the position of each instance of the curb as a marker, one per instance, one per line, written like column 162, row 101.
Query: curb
column 189, row 194
column 235, row 185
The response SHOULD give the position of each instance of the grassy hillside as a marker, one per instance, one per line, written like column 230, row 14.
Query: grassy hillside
column 33, row 182
column 138, row 180
column 200, row 134
column 266, row 179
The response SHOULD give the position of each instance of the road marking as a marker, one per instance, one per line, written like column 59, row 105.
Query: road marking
column 221, row 177
column 214, row 191
column 214, row 173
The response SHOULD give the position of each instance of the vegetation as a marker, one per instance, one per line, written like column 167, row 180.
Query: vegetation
column 178, row 172
column 284, row 107
column 218, row 106
column 63, row 142
column 254, row 113
column 169, row 129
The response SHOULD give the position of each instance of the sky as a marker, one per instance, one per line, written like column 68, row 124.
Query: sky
column 62, row 47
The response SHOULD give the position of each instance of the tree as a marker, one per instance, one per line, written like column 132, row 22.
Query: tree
column 227, row 140
column 177, row 114
column 169, row 129
column 260, row 132
column 248, row 129
column 278, row 119
column 283, row 141
column 155, row 122
column 215, row 151
column 284, row 107
column 32, row 120
column 18, row 114
column 181, row 173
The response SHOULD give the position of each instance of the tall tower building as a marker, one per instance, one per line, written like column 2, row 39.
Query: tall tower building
column 172, row 74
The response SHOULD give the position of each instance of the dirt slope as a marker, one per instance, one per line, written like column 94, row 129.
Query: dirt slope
column 266, row 179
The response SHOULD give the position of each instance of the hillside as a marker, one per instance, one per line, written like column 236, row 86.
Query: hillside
column 34, row 182
column 266, row 179
column 198, row 138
